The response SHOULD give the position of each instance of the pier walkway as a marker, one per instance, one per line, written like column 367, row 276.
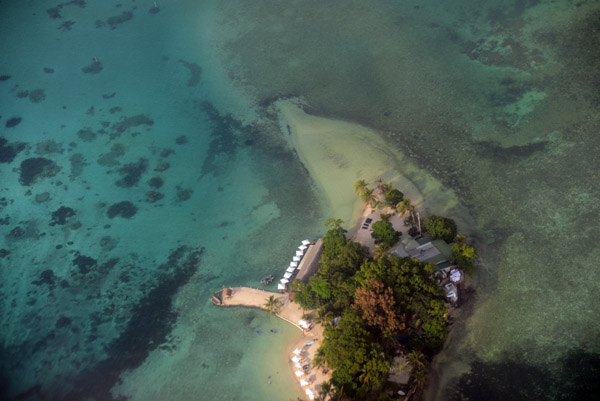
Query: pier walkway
column 255, row 298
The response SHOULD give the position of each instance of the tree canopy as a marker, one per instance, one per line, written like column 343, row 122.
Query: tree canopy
column 384, row 233
column 382, row 303
column 463, row 254
column 440, row 227
column 393, row 197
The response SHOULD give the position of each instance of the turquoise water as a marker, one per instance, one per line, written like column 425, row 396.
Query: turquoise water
column 169, row 132
column 91, row 302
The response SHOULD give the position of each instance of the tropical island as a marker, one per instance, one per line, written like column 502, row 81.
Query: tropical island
column 377, row 303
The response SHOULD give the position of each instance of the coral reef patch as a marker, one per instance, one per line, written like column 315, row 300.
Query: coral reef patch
column 85, row 263
column 184, row 194
column 110, row 158
column 152, row 319
column 131, row 173
column 195, row 72
column 48, row 147
column 123, row 209
column 155, row 182
column 12, row 122
column 36, row 168
column 153, row 196
column 130, row 122
column 86, row 134
column 43, row 197
column 8, row 151
column 61, row 215
column 116, row 20
column 93, row 68
column 77, row 164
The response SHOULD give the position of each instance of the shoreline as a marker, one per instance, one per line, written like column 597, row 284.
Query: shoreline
column 290, row 312
column 335, row 154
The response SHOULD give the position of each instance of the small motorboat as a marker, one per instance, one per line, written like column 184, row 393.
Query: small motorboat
column 268, row 279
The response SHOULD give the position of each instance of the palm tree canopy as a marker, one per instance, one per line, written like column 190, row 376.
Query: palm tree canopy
column 359, row 186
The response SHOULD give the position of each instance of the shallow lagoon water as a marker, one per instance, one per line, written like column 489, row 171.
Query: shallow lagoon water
column 495, row 101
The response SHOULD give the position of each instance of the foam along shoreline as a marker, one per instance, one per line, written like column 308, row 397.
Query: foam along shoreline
column 338, row 153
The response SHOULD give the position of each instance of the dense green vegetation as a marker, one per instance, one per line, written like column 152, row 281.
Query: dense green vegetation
column 384, row 305
column 463, row 254
column 384, row 233
column 440, row 227
column 393, row 197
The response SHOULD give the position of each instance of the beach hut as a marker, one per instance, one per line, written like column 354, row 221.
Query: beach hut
column 303, row 383
column 302, row 248
column 293, row 264
column 287, row 275
column 296, row 359
column 298, row 365
column 297, row 351
column 296, row 259
column 299, row 253
column 290, row 269
column 310, row 394
column 305, row 242
column 284, row 281
column 299, row 373
column 281, row 286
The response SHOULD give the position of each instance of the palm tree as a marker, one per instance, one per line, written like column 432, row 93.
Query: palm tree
column 405, row 206
column 325, row 390
column 418, row 373
column 380, row 250
column 386, row 187
column 368, row 197
column 360, row 186
column 272, row 304
column 379, row 182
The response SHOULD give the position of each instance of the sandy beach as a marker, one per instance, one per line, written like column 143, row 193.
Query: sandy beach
column 292, row 313
column 338, row 153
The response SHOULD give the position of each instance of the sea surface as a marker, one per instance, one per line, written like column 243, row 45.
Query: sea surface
column 142, row 167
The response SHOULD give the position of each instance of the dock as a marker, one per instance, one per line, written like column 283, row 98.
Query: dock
column 256, row 298
column 310, row 262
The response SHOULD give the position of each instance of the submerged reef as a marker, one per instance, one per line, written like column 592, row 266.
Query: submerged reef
column 48, row 147
column 110, row 158
column 116, row 20
column 85, row 263
column 129, row 122
column 577, row 379
column 94, row 68
column 155, row 182
column 61, row 215
column 37, row 168
column 77, row 164
column 13, row 122
column 86, row 134
column 195, row 72
column 123, row 209
column 152, row 319
column 8, row 151
column 131, row 173
column 153, row 196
